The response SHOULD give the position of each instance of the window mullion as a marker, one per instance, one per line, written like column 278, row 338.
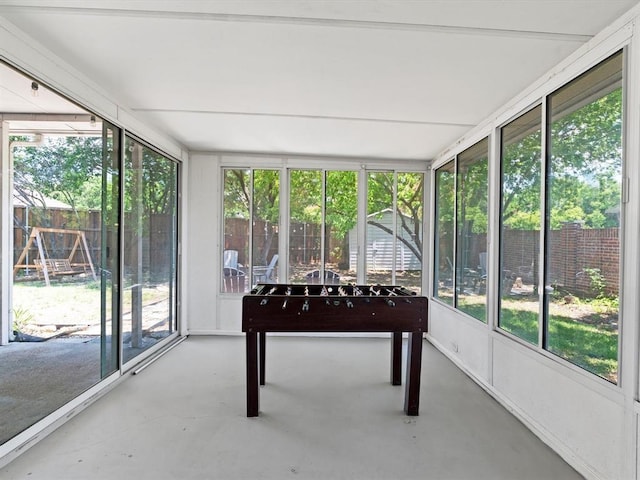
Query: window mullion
column 542, row 252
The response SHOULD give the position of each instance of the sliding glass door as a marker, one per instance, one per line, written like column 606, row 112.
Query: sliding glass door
column 150, row 248
column 63, row 280
column 110, row 250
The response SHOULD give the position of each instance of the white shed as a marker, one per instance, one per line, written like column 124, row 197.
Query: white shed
column 379, row 244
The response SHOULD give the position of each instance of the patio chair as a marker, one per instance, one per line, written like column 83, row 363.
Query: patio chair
column 230, row 258
column 233, row 280
column 482, row 271
column 263, row 274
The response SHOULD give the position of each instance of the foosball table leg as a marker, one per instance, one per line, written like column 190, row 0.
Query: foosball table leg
column 252, row 375
column 414, row 364
column 396, row 358
column 262, row 340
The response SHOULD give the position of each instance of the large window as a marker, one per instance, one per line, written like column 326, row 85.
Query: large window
column 235, row 217
column 89, row 234
column 460, row 267
column 150, row 248
column 584, row 164
column 327, row 241
column 64, row 316
column 471, row 230
column 409, row 222
column 306, row 192
column 341, row 219
column 394, row 228
column 444, row 233
column 520, row 220
column 381, row 223
column 110, row 250
column 61, row 209
column 565, row 297
column 251, row 217
column 322, row 226
column 265, row 215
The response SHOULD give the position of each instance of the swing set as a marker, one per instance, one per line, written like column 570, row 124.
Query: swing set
column 51, row 267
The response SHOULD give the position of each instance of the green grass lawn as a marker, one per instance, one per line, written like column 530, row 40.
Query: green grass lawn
column 589, row 344
column 60, row 304
column 67, row 303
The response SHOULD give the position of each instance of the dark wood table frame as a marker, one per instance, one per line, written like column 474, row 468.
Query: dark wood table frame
column 281, row 313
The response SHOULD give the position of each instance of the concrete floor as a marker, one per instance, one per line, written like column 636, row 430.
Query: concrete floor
column 327, row 412
column 37, row 378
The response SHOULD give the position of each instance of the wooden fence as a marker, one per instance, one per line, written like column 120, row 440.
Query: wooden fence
column 157, row 236
column 303, row 241
column 57, row 245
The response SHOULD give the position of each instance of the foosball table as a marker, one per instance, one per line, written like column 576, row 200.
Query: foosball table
column 335, row 308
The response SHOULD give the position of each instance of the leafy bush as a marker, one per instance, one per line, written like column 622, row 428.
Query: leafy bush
column 22, row 317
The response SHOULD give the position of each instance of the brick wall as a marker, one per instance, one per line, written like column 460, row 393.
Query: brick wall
column 572, row 250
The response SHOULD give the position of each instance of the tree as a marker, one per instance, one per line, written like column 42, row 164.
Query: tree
column 266, row 210
column 586, row 163
column 260, row 192
column 521, row 173
column 584, row 172
column 60, row 168
column 341, row 211
column 444, row 223
column 341, row 202
column 409, row 205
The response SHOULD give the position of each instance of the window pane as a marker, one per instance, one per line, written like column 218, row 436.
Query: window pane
column 520, row 220
column 149, row 248
column 341, row 238
column 471, row 244
column 266, row 218
column 235, row 255
column 380, row 228
column 444, row 232
column 109, row 254
column 65, row 256
column 305, row 227
column 583, row 210
column 410, row 202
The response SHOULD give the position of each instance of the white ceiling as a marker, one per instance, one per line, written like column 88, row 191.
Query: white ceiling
column 367, row 78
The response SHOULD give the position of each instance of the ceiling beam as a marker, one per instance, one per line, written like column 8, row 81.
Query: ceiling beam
column 293, row 115
column 311, row 21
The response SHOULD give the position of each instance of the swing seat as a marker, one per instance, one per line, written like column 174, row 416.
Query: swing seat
column 56, row 266
column 60, row 267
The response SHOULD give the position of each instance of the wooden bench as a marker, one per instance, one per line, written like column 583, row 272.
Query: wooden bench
column 56, row 266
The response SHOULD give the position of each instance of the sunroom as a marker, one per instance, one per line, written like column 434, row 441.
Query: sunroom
column 159, row 159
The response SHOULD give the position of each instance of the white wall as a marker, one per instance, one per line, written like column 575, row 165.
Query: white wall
column 203, row 243
column 592, row 423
